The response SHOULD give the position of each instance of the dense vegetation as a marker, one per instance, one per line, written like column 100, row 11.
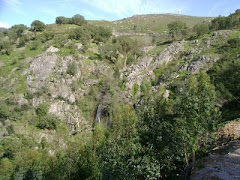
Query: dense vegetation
column 157, row 138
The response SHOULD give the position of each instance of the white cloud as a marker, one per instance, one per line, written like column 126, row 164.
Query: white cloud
column 4, row 25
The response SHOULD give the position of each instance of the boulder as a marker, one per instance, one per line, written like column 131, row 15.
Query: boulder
column 52, row 49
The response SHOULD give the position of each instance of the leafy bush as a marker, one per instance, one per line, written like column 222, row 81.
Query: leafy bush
column 34, row 45
column 42, row 109
column 18, row 29
column 201, row 29
column 76, row 19
column 47, row 122
column 101, row 34
column 60, row 41
column 4, row 110
column 81, row 33
column 63, row 20
column 10, row 129
column 234, row 43
column 135, row 89
column 6, row 47
column 46, row 36
column 22, row 41
column 38, row 26
column 177, row 29
column 72, row 69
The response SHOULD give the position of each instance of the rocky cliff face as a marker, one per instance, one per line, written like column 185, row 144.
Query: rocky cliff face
column 47, row 77
column 48, row 81
column 143, row 70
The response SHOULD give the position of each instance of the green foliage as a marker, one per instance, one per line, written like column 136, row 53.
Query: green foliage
column 38, row 26
column 18, row 29
column 46, row 36
column 229, row 22
column 128, row 48
column 201, row 29
column 80, row 33
column 11, row 146
column 31, row 164
column 4, row 111
column 43, row 120
column 76, row 19
column 101, row 34
column 34, row 45
column 72, row 68
column 234, row 43
column 135, row 89
column 157, row 133
column 6, row 169
column 109, row 52
column 6, row 47
column 59, row 41
column 22, row 41
column 145, row 86
column 42, row 109
column 197, row 114
column 46, row 122
column 10, row 129
column 122, row 153
column 62, row 20
column 177, row 29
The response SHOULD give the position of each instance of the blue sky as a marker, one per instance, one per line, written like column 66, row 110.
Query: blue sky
column 25, row 11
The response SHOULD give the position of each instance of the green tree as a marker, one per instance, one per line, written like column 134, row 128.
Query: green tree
column 78, row 20
column 42, row 109
column 18, row 29
column 123, row 157
column 38, row 26
column 176, row 29
column 22, row 41
column 157, row 133
column 201, row 29
column 62, row 20
column 81, row 33
column 110, row 52
column 6, row 47
column 197, row 114
column 6, row 169
column 101, row 34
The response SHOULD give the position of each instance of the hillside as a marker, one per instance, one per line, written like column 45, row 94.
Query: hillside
column 138, row 98
column 149, row 24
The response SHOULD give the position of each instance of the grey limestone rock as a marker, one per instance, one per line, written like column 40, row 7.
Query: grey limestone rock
column 52, row 49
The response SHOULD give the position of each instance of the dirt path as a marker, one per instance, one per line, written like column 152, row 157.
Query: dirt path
column 223, row 164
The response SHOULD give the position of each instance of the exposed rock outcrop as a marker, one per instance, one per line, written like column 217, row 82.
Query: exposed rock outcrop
column 202, row 62
column 52, row 49
column 40, row 69
column 143, row 70
column 224, row 162
column 170, row 53
column 48, row 74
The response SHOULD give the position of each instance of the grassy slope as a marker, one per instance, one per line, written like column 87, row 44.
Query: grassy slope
column 149, row 23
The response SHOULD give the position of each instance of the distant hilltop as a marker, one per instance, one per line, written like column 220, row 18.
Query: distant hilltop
column 2, row 29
